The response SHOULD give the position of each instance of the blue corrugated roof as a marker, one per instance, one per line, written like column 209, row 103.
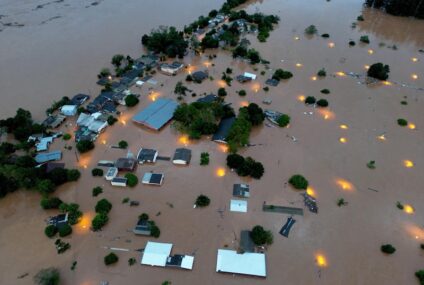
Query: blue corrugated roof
column 157, row 114
column 48, row 156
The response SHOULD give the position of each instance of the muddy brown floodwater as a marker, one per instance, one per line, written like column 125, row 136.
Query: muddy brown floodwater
column 40, row 63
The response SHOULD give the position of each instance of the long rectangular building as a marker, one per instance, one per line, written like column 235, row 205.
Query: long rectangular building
column 157, row 114
column 248, row 263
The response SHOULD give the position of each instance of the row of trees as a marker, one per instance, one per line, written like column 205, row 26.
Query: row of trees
column 167, row 40
column 251, row 54
column 21, row 126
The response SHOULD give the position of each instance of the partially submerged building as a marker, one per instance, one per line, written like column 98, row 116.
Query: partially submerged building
column 59, row 220
column 119, row 181
column 69, row 110
column 111, row 173
column 182, row 156
column 157, row 114
column 150, row 178
column 208, row 99
column 249, row 263
column 199, row 76
column 223, row 130
column 146, row 155
column 159, row 254
column 79, row 99
column 126, row 164
column 143, row 228
column 241, row 190
column 238, row 206
column 171, row 68
column 53, row 122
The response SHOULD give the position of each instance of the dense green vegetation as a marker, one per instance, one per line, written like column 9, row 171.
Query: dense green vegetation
column 413, row 8
column 283, row 120
column 322, row 103
column 420, row 275
column 97, row 172
column 103, row 206
column 84, row 146
column 74, row 214
column 21, row 126
column 364, row 39
column 249, row 116
column 197, row 119
column 48, row 276
column 99, row 221
column 166, row 40
column 97, row 191
column 50, row 231
column 379, row 71
column 322, row 72
column 251, row 54
column 65, row 230
column 260, row 236
column 282, row 74
column 245, row 166
column 56, row 105
column 299, row 182
column 204, row 158
column 402, row 122
column 50, row 203
column 310, row 100
column 123, row 144
column 311, row 30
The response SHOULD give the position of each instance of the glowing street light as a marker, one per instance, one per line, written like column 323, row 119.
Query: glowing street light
column 311, row 192
column 331, row 45
column 408, row 163
column 411, row 126
column 382, row 137
column 344, row 127
column 343, row 140
column 366, row 67
column 414, row 76
column 408, row 209
column 341, row 73
column 220, row 172
column 299, row 64
column 321, row 260
column 301, row 98
column 314, row 78
column 414, row 59
column 370, row 51
column 344, row 184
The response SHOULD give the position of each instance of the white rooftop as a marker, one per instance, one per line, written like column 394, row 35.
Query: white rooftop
column 156, row 253
column 250, row 75
column 238, row 206
column 246, row 263
column 187, row 262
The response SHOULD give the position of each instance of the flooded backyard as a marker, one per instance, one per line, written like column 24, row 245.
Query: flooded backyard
column 63, row 45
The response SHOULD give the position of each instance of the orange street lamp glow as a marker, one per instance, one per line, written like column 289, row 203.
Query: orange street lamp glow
column 344, row 184
column 341, row 74
column 343, row 140
column 103, row 141
column 314, row 78
column 411, row 126
column 331, row 45
column 220, row 172
column 326, row 114
column 388, row 83
column 244, row 103
column 370, row 51
column 222, row 83
column 408, row 209
column 311, row 192
column 183, row 140
column 207, row 63
column 321, row 260
column 344, row 127
column 256, row 87
column 414, row 76
column 296, row 38
column 223, row 148
column 382, row 137
column 124, row 122
column 408, row 163
column 299, row 65
column 301, row 98
column 366, row 67
column 414, row 59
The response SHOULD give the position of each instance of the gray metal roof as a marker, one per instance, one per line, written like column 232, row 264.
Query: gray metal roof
column 183, row 154
column 157, row 114
column 223, row 129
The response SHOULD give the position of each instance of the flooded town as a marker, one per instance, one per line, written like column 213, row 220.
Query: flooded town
column 224, row 142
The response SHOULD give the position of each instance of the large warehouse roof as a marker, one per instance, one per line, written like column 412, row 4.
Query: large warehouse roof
column 246, row 263
column 157, row 114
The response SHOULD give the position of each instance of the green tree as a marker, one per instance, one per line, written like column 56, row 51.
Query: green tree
column 222, row 92
column 388, row 248
column 99, row 221
column 65, row 230
column 103, row 206
column 73, row 174
column 97, row 191
column 204, row 158
column 85, row 146
column 50, row 231
column 379, row 71
column 111, row 258
column 402, row 122
column 283, row 120
column 132, row 179
column 131, row 100
column 299, row 182
column 123, row 144
column 260, row 236
column 97, row 172
column 48, row 276
column 117, row 60
column 420, row 275
column 202, row 201
column 235, row 160
column 50, row 203
column 45, row 186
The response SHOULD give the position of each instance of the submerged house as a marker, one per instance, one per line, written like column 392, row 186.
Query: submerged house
column 157, row 114
column 92, row 122
column 249, row 263
column 58, row 220
column 150, row 178
column 146, row 155
column 143, row 228
column 159, row 254
column 69, row 110
column 171, row 68
column 53, row 122
column 208, row 99
column 126, row 164
column 224, row 128
column 119, row 181
column 48, row 156
column 79, row 99
column 241, row 190
column 182, row 156
column 199, row 76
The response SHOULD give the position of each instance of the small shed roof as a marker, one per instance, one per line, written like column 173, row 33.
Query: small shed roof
column 156, row 254
column 250, row 75
column 147, row 155
column 125, row 164
column 152, row 178
column 157, row 114
column 241, row 190
column 246, row 263
column 238, row 206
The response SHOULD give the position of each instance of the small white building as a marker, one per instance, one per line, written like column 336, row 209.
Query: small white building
column 111, row 173
column 248, row 263
column 150, row 178
column 238, row 206
column 119, row 181
column 69, row 110
column 156, row 253
column 172, row 68
column 250, row 75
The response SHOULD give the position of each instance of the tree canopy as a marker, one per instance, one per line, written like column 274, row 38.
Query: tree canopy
column 166, row 40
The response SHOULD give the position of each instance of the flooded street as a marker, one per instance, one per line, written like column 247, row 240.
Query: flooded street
column 61, row 57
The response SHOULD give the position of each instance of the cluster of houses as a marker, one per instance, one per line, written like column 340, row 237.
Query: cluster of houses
column 182, row 156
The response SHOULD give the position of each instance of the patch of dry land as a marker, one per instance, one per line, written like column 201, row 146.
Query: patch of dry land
column 329, row 146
